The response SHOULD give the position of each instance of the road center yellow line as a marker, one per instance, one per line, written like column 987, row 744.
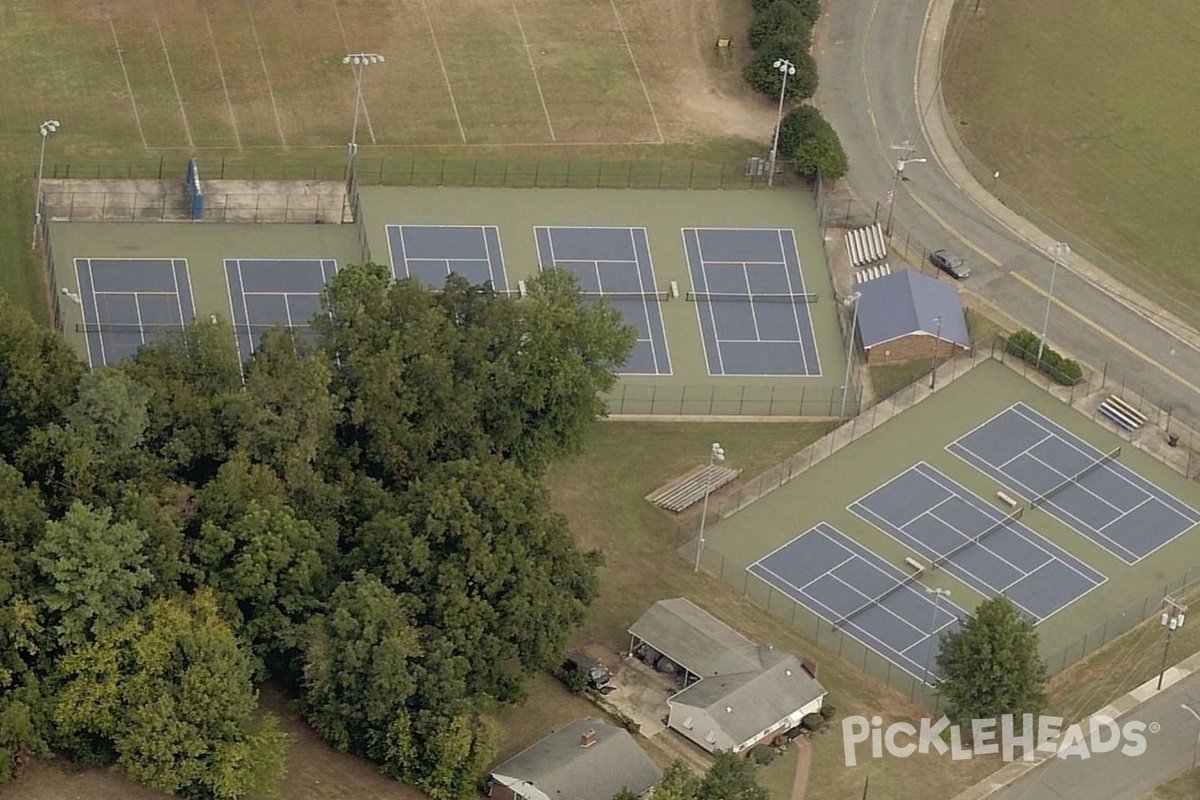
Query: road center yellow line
column 1106, row 333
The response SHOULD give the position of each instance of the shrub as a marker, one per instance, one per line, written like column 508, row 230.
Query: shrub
column 1070, row 371
column 813, row 722
column 576, row 680
column 811, row 144
column 763, row 77
column 828, row 711
column 779, row 19
column 810, row 9
column 763, row 755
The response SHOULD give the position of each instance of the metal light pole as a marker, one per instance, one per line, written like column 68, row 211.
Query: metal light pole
column 937, row 338
column 715, row 453
column 1057, row 251
column 787, row 68
column 1172, row 620
column 48, row 127
column 359, row 61
column 1196, row 751
column 854, row 298
column 901, row 163
column 938, row 594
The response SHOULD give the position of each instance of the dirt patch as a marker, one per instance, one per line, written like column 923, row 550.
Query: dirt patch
column 709, row 107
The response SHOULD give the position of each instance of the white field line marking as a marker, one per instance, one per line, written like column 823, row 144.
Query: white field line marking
column 533, row 69
column 237, row 137
column 426, row 146
column 263, row 61
column 128, row 86
column 445, row 74
column 637, row 69
column 171, row 71
column 346, row 45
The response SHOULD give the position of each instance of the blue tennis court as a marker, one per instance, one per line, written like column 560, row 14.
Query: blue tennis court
column 127, row 303
column 751, row 301
column 614, row 263
column 267, row 292
column 855, row 590
column 1075, row 483
column 985, row 548
column 430, row 253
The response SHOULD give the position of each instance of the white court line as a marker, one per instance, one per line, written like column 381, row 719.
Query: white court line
column 178, row 297
column 1027, row 451
column 346, row 45
column 126, row 291
column 137, row 118
column 233, row 321
column 796, row 308
column 533, row 69
column 445, row 74
column 645, row 306
column 171, row 71
column 637, row 69
column 749, row 291
column 221, row 71
column 1069, row 479
column 137, row 306
column 263, row 61
column 1127, row 512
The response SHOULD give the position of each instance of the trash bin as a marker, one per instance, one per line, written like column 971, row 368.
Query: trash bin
column 1173, row 439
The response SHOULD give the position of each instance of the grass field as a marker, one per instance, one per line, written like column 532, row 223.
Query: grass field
column 1088, row 109
column 253, row 82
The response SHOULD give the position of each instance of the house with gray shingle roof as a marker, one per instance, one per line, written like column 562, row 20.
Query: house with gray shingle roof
column 898, row 318
column 735, row 693
column 586, row 760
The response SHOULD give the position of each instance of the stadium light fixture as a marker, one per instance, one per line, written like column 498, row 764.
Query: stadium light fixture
column 854, row 298
column 786, row 68
column 715, row 453
column 937, row 339
column 938, row 594
column 45, row 129
column 359, row 62
column 1057, row 251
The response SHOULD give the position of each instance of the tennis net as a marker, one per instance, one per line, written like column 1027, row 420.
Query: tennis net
column 626, row 295
column 974, row 540
column 891, row 590
column 157, row 329
column 1074, row 479
column 794, row 298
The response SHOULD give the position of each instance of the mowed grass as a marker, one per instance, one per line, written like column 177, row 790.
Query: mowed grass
column 1088, row 109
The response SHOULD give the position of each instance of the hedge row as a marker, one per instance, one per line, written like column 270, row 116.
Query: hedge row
column 782, row 29
column 1024, row 344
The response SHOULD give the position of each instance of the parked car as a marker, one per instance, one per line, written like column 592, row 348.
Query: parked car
column 950, row 264
column 598, row 675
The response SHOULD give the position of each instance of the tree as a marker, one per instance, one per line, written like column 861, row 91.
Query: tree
column 992, row 665
column 94, row 574
column 762, row 75
column 811, row 9
column 811, row 143
column 731, row 777
column 679, row 782
column 821, row 155
column 168, row 694
column 38, row 375
column 444, row 755
column 271, row 571
column 490, row 567
column 359, row 668
column 779, row 19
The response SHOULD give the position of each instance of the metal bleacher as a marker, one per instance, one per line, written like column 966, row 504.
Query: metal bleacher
column 871, row 273
column 866, row 245
column 690, row 489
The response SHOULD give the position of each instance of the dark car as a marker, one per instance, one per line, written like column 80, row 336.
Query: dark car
column 950, row 264
column 597, row 675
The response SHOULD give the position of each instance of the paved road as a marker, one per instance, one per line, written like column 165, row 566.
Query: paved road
column 868, row 58
column 1114, row 776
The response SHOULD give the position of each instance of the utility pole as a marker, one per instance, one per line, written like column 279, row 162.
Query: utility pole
column 1172, row 619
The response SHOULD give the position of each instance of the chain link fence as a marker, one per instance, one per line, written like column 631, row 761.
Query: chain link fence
column 511, row 173
column 1084, row 396
column 738, row 400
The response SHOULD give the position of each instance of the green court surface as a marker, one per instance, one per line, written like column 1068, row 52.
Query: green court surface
column 823, row 492
column 664, row 214
column 689, row 389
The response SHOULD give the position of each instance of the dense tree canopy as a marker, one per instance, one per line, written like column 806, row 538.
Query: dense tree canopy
column 992, row 665
column 359, row 519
